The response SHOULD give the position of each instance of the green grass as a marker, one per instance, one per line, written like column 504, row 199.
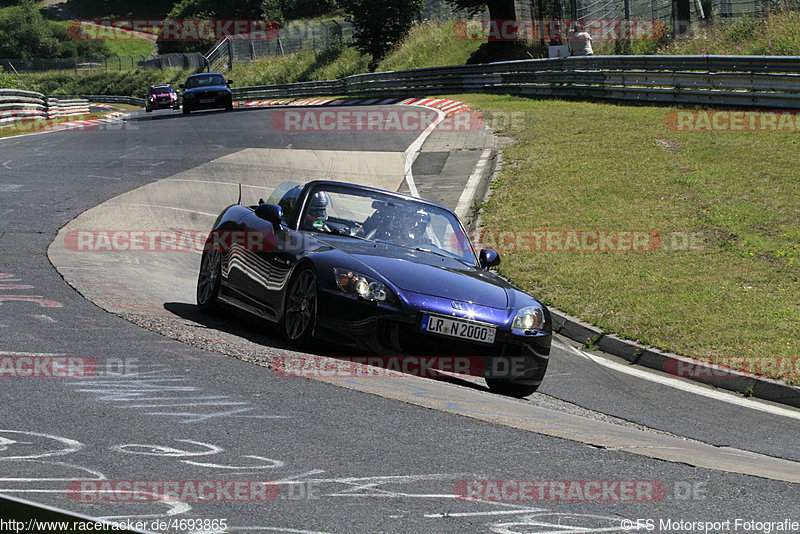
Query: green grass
column 430, row 44
column 776, row 35
column 427, row 45
column 121, row 47
column 584, row 166
column 302, row 66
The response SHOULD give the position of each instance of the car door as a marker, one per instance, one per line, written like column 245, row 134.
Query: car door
column 271, row 255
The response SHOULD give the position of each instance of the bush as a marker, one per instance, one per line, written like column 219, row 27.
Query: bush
column 133, row 83
column 7, row 81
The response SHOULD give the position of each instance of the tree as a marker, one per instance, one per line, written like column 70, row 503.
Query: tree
column 25, row 34
column 500, row 11
column 378, row 26
column 283, row 10
column 207, row 10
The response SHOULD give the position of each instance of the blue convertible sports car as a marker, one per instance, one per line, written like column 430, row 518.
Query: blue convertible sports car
column 376, row 271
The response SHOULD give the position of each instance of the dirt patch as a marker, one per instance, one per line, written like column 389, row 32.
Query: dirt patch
column 669, row 145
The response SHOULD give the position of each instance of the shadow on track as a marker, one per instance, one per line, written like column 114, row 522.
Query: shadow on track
column 245, row 326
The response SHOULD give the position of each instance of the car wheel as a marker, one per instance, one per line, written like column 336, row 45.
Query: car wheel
column 510, row 388
column 148, row 109
column 300, row 312
column 229, row 105
column 186, row 110
column 208, row 281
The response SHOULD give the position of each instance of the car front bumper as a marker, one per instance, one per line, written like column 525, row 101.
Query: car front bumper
column 395, row 331
column 201, row 101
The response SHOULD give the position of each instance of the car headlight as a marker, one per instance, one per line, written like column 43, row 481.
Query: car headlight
column 360, row 285
column 528, row 318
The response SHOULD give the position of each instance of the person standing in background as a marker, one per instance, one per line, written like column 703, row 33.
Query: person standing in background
column 580, row 42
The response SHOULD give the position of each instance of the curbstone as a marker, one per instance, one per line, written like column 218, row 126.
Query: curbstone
column 558, row 319
column 776, row 392
column 677, row 365
column 579, row 331
column 628, row 350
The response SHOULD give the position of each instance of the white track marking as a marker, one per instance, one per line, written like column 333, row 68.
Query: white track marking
column 676, row 383
column 467, row 197
column 411, row 151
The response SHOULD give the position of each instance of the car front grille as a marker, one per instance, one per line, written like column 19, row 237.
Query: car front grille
column 408, row 340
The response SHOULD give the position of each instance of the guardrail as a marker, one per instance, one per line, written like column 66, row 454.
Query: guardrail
column 109, row 99
column 745, row 81
column 61, row 108
column 18, row 105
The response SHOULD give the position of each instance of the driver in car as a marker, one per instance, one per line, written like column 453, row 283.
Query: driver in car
column 317, row 213
column 416, row 225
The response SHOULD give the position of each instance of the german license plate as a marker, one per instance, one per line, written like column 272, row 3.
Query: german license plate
column 206, row 100
column 456, row 328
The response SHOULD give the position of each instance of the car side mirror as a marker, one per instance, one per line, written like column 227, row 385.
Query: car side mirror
column 180, row 85
column 488, row 258
column 270, row 213
column 230, row 82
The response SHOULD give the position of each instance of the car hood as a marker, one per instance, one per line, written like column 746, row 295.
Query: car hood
column 206, row 89
column 426, row 273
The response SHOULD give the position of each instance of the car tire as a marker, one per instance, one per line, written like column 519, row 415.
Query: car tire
column 300, row 309
column 186, row 110
column 509, row 388
column 229, row 105
column 209, row 280
column 148, row 110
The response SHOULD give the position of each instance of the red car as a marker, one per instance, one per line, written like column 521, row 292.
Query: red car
column 160, row 97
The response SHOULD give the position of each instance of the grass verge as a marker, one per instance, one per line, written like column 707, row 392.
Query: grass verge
column 731, row 291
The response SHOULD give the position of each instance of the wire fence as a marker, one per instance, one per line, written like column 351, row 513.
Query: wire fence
column 73, row 65
column 317, row 36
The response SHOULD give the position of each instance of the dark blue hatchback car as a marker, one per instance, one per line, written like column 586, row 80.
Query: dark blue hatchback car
column 209, row 90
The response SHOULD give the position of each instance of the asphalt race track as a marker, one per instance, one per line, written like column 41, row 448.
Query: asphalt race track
column 178, row 397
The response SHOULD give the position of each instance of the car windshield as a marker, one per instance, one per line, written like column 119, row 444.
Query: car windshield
column 205, row 79
column 160, row 90
column 384, row 218
column 285, row 196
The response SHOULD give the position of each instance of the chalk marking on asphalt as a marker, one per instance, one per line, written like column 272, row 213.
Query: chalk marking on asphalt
column 11, row 353
column 487, row 513
column 45, row 318
column 676, row 383
column 464, row 203
column 71, row 444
